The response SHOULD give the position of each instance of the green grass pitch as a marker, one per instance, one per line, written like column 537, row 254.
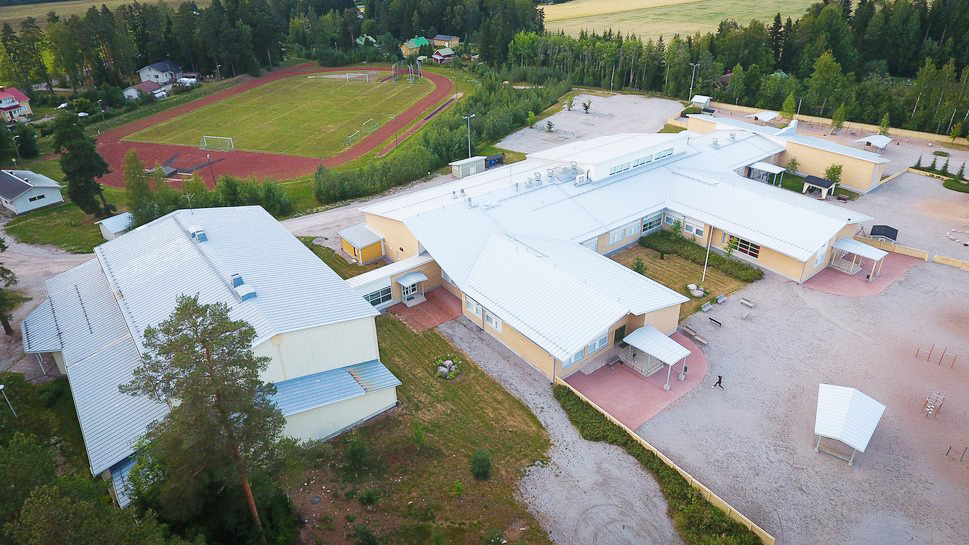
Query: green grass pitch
column 300, row 115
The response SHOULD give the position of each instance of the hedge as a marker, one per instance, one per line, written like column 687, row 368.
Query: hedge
column 664, row 242
column 954, row 185
column 695, row 518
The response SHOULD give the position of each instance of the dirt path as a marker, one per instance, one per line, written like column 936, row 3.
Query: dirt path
column 112, row 146
column 33, row 265
column 588, row 493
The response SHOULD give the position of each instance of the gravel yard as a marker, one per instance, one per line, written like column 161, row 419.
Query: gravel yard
column 588, row 493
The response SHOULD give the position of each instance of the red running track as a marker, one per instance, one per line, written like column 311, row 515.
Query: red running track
column 113, row 148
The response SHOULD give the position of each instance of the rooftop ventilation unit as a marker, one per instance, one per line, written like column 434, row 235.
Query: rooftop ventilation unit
column 733, row 137
column 715, row 144
column 551, row 177
column 197, row 233
column 538, row 178
column 581, row 179
column 236, row 280
column 244, row 292
column 529, row 182
column 468, row 200
column 462, row 191
column 454, row 194
column 575, row 167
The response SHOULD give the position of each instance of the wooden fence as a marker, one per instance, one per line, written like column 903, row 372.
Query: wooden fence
column 895, row 248
column 708, row 494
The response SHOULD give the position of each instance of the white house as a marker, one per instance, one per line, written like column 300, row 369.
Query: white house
column 115, row 226
column 161, row 72
column 14, row 105
column 22, row 191
column 319, row 334
column 146, row 87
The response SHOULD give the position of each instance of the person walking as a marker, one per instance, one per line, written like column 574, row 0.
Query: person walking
column 719, row 382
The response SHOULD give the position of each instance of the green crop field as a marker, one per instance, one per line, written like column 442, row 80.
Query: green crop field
column 654, row 18
column 39, row 11
column 299, row 115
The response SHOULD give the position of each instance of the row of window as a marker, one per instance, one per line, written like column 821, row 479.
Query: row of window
column 691, row 228
column 379, row 297
column 37, row 197
column 652, row 223
column 618, row 168
column 589, row 350
column 618, row 235
column 742, row 246
column 640, row 161
column 480, row 312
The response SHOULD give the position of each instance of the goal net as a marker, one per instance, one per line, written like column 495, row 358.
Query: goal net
column 358, row 77
column 216, row 143
column 370, row 125
column 353, row 138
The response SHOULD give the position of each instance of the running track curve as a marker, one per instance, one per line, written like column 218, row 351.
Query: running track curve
column 112, row 147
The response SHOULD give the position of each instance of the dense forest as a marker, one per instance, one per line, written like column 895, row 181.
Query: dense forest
column 904, row 58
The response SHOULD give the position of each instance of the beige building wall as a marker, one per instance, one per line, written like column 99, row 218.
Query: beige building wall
column 316, row 349
column 329, row 420
column 399, row 243
column 858, row 174
column 701, row 126
column 809, row 267
column 433, row 272
column 769, row 259
column 665, row 319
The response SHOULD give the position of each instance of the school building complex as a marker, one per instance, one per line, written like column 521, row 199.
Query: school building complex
column 525, row 245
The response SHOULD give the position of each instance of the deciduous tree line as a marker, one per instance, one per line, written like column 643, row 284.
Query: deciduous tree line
column 904, row 58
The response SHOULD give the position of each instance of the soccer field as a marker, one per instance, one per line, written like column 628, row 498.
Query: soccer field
column 308, row 115
column 654, row 18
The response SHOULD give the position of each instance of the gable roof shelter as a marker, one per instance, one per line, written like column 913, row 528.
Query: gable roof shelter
column 702, row 101
column 879, row 141
column 766, row 116
column 823, row 184
column 115, row 226
column 657, row 345
column 845, row 415
column 884, row 232
column 856, row 248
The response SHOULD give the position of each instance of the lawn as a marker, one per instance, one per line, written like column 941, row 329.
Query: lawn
column 308, row 115
column 675, row 273
column 417, row 483
column 15, row 14
column 339, row 265
column 795, row 183
column 654, row 18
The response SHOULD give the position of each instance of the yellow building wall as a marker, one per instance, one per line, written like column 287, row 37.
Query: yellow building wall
column 433, row 272
column 809, row 266
column 701, row 126
column 328, row 420
column 369, row 254
column 521, row 345
column 315, row 349
column 665, row 319
column 399, row 243
column 858, row 174
column 349, row 249
column 769, row 259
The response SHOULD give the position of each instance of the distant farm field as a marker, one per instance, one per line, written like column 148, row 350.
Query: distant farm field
column 15, row 14
column 654, row 18
column 308, row 115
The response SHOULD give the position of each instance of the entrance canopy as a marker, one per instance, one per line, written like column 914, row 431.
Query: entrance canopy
column 767, row 167
column 411, row 278
column 852, row 246
column 652, row 341
column 846, row 415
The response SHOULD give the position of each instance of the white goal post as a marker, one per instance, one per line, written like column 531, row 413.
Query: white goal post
column 364, row 77
column 369, row 126
column 216, row 143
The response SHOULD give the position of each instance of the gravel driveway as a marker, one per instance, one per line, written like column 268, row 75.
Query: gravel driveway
column 589, row 493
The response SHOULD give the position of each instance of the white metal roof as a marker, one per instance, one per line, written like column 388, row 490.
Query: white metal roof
column 656, row 344
column 598, row 149
column 764, row 116
column 877, row 140
column 700, row 99
column 360, row 235
column 475, row 159
column 852, row 246
column 384, row 273
column 39, row 330
column 847, row 415
column 767, row 167
column 117, row 224
column 735, row 149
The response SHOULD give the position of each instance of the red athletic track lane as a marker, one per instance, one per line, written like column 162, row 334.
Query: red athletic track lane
column 112, row 147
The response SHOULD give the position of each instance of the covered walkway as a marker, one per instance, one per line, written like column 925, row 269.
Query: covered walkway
column 633, row 398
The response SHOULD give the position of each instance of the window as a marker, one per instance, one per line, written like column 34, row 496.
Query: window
column 598, row 344
column 631, row 229
column 652, row 223
column 693, row 229
column 745, row 246
column 37, row 198
column 575, row 357
column 616, row 236
column 378, row 297
column 472, row 306
column 669, row 219
column 592, row 244
column 664, row 153
column 647, row 159
column 493, row 321
column 612, row 170
column 822, row 253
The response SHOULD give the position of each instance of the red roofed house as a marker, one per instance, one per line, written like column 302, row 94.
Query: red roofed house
column 147, row 87
column 14, row 105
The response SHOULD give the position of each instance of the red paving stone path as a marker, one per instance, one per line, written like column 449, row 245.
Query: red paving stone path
column 112, row 147
column 441, row 306
column 836, row 282
column 632, row 398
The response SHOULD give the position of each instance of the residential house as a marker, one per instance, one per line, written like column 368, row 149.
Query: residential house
column 115, row 226
column 318, row 333
column 443, row 55
column 14, row 105
column 525, row 246
column 22, row 191
column 446, row 40
column 413, row 46
column 146, row 87
column 163, row 72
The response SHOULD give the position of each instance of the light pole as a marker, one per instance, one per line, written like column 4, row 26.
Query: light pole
column 208, row 159
column 8, row 401
column 16, row 148
column 396, row 129
column 102, row 110
column 468, row 118
column 695, row 65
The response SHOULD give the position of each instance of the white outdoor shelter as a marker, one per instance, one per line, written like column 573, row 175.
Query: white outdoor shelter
column 846, row 245
column 879, row 141
column 767, row 173
column 766, row 116
column 702, row 101
column 845, row 415
column 655, row 344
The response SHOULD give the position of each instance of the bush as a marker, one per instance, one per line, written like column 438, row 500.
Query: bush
column 696, row 519
column 363, row 535
column 954, row 185
column 369, row 497
column 481, row 464
column 356, row 454
column 494, row 537
column 665, row 242
column 690, row 110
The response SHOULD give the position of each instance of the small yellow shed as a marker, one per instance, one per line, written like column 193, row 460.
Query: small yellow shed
column 362, row 243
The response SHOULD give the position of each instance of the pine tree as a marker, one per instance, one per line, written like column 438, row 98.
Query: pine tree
column 776, row 38
column 918, row 164
column 8, row 300
column 961, row 175
column 933, row 166
column 884, row 125
column 838, row 119
column 82, row 165
column 790, row 106
column 945, row 166
column 138, row 194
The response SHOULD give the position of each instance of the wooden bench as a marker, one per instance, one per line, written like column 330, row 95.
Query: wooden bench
column 747, row 302
column 714, row 320
column 706, row 307
column 688, row 330
column 699, row 339
column 721, row 299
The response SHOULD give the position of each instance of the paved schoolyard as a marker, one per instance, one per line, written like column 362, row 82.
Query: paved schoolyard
column 833, row 281
column 752, row 443
column 440, row 306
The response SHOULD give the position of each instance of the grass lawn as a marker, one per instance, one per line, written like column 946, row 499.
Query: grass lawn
column 309, row 115
column 654, row 18
column 675, row 273
column 17, row 13
column 671, row 128
column 795, row 183
column 335, row 262
column 411, row 484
